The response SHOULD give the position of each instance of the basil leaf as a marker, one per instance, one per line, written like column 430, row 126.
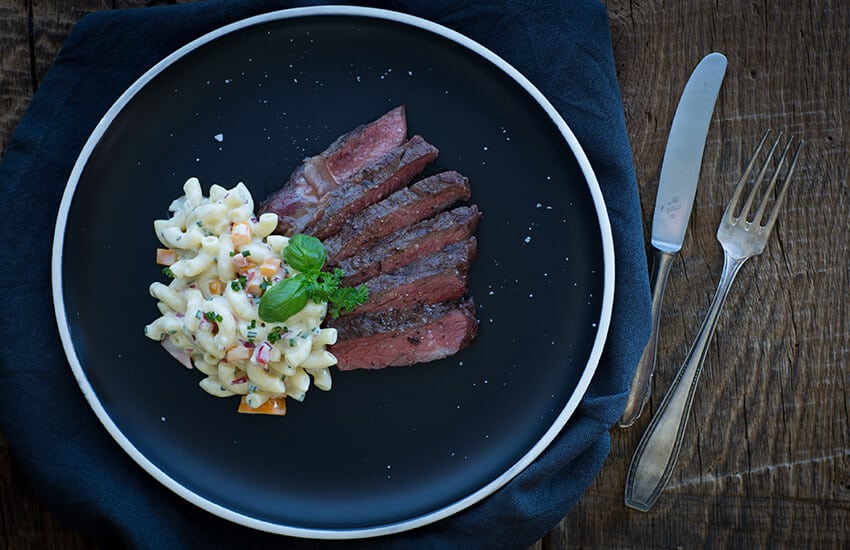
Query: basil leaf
column 283, row 300
column 305, row 253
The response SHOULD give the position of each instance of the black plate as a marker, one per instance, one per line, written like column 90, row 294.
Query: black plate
column 385, row 450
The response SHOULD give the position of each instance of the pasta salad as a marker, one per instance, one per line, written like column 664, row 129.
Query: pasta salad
column 226, row 267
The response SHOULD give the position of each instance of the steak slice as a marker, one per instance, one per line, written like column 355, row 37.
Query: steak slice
column 371, row 184
column 403, row 208
column 365, row 144
column 438, row 277
column 401, row 337
column 299, row 202
column 406, row 245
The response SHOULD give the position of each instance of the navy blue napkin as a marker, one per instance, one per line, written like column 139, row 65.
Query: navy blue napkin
column 85, row 478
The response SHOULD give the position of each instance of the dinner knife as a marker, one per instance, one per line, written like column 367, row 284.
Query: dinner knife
column 675, row 196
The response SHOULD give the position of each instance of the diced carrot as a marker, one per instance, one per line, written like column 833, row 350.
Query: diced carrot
column 216, row 287
column 275, row 406
column 240, row 234
column 270, row 267
column 166, row 256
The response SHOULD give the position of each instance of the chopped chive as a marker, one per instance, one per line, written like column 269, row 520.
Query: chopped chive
column 240, row 283
column 213, row 317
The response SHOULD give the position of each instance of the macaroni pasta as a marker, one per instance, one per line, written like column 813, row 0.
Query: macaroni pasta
column 221, row 259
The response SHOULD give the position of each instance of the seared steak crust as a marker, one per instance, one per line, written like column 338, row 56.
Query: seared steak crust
column 408, row 244
column 438, row 277
column 405, row 207
column 370, row 185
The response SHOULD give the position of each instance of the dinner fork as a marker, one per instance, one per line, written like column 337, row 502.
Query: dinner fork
column 742, row 236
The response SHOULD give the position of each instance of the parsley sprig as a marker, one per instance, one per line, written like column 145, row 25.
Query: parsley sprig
column 288, row 297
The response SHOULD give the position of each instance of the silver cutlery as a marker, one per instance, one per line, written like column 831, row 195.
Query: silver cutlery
column 674, row 199
column 742, row 234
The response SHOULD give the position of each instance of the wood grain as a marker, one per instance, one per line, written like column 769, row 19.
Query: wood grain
column 766, row 455
column 766, row 459
column 17, row 82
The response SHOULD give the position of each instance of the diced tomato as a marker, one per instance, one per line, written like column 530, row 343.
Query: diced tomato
column 166, row 256
column 274, row 406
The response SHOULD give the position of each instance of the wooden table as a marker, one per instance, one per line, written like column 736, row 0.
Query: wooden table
column 766, row 459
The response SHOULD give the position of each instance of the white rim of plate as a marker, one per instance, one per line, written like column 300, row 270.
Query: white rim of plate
column 378, row 530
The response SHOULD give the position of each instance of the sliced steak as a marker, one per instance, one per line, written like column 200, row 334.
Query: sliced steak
column 371, row 184
column 350, row 153
column 406, row 245
column 403, row 208
column 438, row 277
column 401, row 337
column 299, row 202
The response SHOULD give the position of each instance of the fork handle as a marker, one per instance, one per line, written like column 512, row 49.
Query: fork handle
column 642, row 382
column 658, row 450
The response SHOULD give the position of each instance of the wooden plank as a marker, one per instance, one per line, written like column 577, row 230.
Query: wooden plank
column 31, row 34
column 766, row 457
column 17, row 83
column 51, row 23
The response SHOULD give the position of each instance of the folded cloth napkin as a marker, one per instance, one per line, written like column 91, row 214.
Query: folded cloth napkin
column 87, row 481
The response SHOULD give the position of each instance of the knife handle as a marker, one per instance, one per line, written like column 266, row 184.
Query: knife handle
column 658, row 450
column 642, row 382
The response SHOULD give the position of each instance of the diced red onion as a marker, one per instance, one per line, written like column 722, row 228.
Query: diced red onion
column 262, row 354
column 178, row 353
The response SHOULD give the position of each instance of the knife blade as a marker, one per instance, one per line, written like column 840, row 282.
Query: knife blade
column 674, row 199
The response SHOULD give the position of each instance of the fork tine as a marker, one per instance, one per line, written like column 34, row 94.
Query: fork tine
column 784, row 190
column 742, row 181
column 756, row 220
column 745, row 210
